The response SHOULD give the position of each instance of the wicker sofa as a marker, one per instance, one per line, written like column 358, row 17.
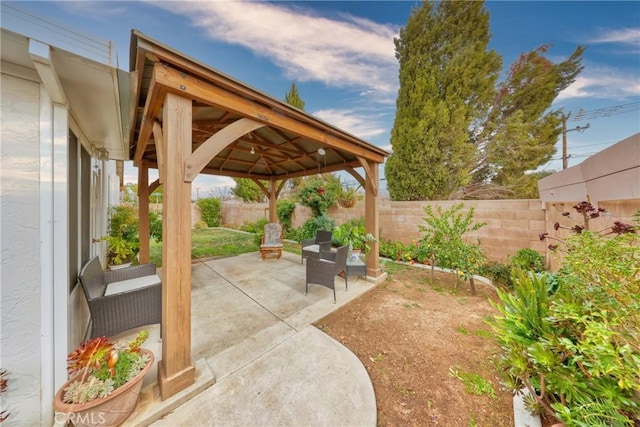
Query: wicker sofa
column 122, row 299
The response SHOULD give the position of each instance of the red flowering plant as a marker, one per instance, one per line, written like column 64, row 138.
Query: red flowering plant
column 102, row 366
column 588, row 212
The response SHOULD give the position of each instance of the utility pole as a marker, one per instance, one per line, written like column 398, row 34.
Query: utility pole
column 565, row 156
column 197, row 193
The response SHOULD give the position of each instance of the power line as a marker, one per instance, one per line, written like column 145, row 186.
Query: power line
column 606, row 111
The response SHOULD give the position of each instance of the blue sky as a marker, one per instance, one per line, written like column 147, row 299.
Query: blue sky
column 341, row 54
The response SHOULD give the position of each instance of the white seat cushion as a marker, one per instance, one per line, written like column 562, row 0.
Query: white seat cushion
column 312, row 248
column 131, row 284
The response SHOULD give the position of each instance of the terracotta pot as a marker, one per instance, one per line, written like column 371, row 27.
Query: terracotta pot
column 112, row 410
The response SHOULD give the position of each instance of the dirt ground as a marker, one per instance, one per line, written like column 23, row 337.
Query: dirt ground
column 417, row 339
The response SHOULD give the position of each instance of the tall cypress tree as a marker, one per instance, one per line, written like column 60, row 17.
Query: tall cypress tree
column 293, row 97
column 447, row 80
column 521, row 130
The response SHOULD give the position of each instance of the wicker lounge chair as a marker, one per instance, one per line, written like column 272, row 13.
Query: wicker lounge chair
column 271, row 239
column 323, row 271
column 122, row 299
column 311, row 248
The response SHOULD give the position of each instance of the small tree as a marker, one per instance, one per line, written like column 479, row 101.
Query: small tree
column 247, row 190
column 443, row 235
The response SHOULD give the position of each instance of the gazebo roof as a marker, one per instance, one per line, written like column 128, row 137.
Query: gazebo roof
column 282, row 141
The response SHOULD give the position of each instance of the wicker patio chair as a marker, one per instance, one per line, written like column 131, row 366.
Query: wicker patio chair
column 323, row 271
column 271, row 240
column 311, row 248
column 121, row 299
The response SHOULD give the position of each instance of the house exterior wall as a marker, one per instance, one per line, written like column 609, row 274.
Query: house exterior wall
column 20, row 279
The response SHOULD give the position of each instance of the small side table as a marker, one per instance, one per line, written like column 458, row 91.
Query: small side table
column 355, row 266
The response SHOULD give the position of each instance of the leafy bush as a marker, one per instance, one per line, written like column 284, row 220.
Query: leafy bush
column 123, row 237
column 528, row 259
column 312, row 225
column 443, row 235
column 211, row 211
column 319, row 193
column 199, row 225
column 354, row 234
column 155, row 226
column 254, row 227
column 572, row 338
column 285, row 209
column 500, row 274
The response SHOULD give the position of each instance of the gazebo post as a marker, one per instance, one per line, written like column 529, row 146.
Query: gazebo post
column 143, row 211
column 371, row 219
column 273, row 201
column 176, row 370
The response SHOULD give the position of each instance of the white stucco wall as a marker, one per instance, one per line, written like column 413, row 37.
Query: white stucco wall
column 20, row 309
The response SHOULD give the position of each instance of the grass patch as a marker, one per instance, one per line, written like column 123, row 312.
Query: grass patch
column 473, row 383
column 218, row 242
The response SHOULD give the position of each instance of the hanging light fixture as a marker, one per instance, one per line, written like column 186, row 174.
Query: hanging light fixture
column 321, row 151
column 253, row 150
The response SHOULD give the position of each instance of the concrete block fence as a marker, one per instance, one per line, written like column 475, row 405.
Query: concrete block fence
column 510, row 224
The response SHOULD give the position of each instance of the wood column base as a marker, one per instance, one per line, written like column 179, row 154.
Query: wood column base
column 376, row 276
column 175, row 383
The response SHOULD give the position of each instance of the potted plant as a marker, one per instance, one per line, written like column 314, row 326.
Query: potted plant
column 354, row 234
column 123, row 242
column 106, row 381
column 348, row 197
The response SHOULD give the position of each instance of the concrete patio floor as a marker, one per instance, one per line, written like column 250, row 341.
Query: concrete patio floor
column 258, row 359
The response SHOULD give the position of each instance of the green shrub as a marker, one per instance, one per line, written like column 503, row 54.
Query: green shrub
column 285, row 209
column 443, row 235
column 312, row 225
column 354, row 234
column 319, row 193
column 500, row 274
column 528, row 259
column 211, row 211
column 254, row 227
column 199, row 225
column 572, row 338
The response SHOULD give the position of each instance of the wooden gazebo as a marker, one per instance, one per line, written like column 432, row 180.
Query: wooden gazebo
column 188, row 119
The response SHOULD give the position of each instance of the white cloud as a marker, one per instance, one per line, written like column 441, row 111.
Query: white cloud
column 602, row 82
column 350, row 52
column 358, row 124
column 622, row 35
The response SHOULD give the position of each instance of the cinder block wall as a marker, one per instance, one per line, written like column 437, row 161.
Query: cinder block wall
column 616, row 210
column 510, row 224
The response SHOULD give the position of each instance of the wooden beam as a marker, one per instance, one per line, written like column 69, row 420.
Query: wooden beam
column 176, row 370
column 143, row 211
column 216, row 143
column 160, row 148
column 357, row 176
column 153, row 186
column 178, row 82
column 152, row 106
column 369, row 174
